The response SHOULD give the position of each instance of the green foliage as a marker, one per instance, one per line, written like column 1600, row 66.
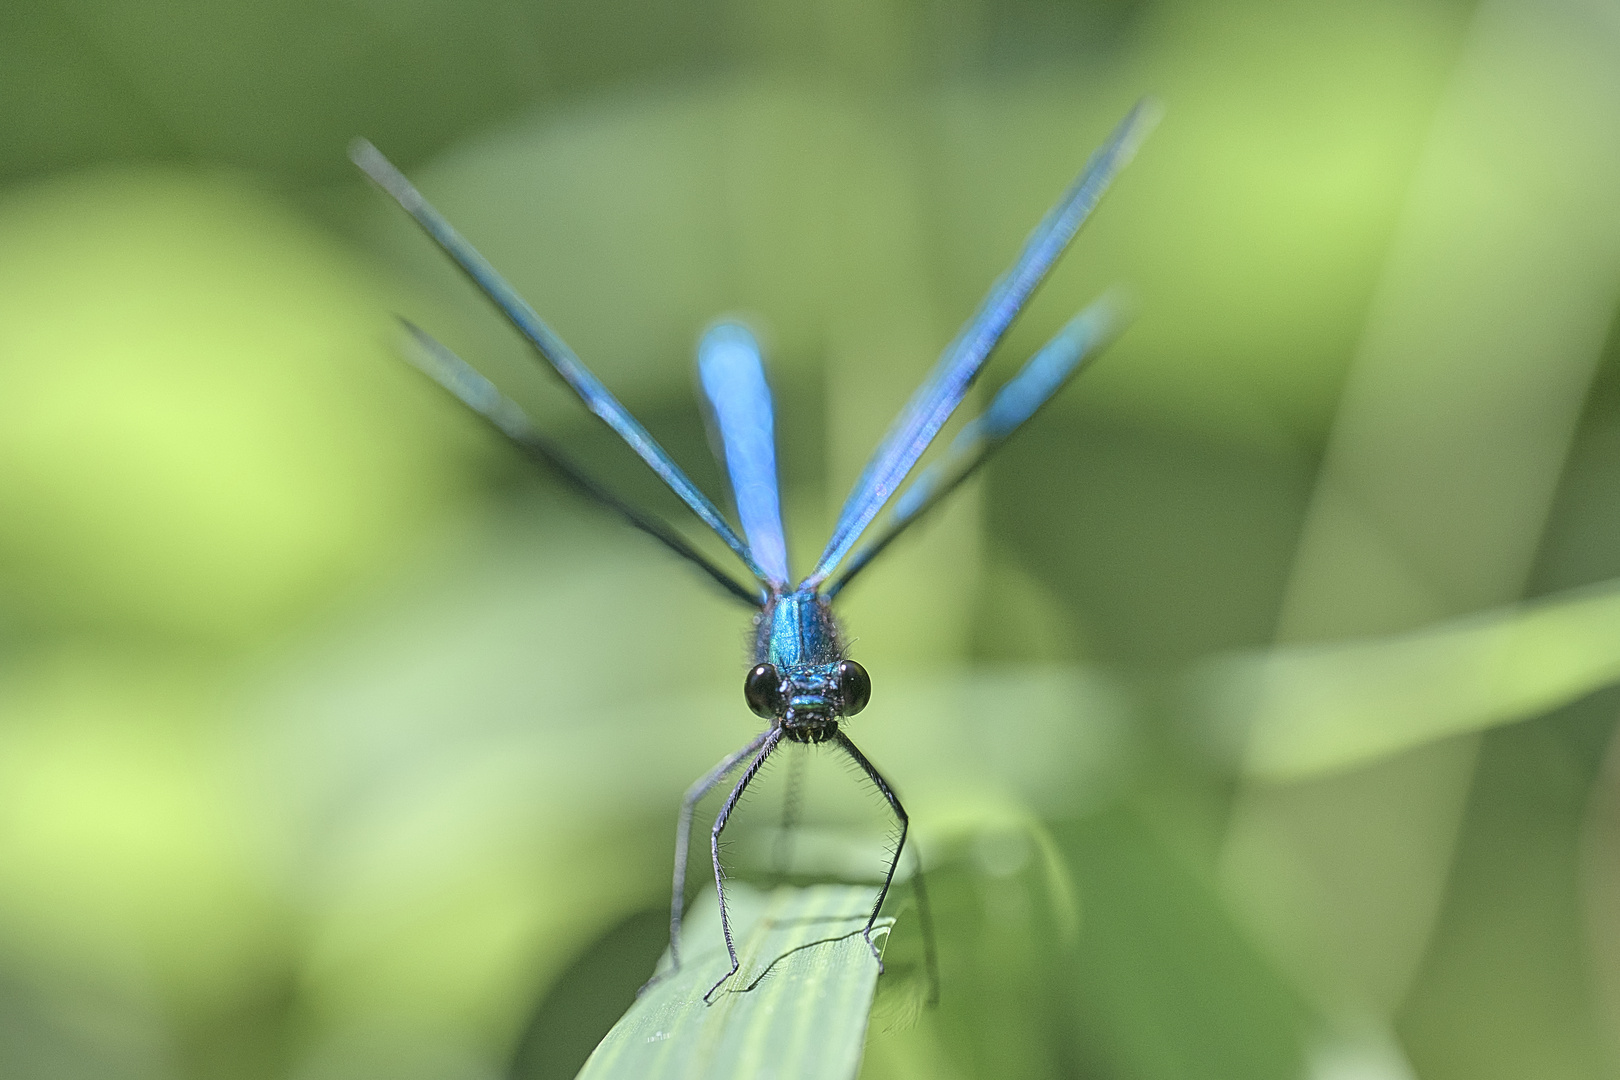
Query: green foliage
column 797, row 1007
column 1300, row 711
column 1165, row 983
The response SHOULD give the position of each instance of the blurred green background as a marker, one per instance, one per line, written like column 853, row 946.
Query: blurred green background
column 1253, row 706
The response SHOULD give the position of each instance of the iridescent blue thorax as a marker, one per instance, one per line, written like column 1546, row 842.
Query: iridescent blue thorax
column 796, row 630
column 797, row 635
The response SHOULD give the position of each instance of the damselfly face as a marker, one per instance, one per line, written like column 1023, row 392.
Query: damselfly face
column 800, row 678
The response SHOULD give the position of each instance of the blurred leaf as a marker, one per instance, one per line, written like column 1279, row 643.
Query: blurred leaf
column 1163, row 545
column 202, row 430
column 1598, row 878
column 1307, row 709
column 582, row 1004
column 1340, row 877
column 1478, row 348
column 283, row 89
column 1005, row 952
column 797, row 1008
column 130, row 886
column 1168, row 986
column 1506, row 987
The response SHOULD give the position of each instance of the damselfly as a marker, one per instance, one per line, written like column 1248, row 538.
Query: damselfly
column 802, row 680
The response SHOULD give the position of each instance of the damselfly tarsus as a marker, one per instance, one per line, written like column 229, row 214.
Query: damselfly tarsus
column 801, row 680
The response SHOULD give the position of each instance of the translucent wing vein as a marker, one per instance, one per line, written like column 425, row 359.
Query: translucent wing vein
column 733, row 379
column 948, row 383
column 1058, row 361
column 548, row 344
column 479, row 394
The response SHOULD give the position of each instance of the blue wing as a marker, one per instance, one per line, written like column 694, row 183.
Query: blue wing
column 733, row 380
column 479, row 394
column 1087, row 334
column 948, row 383
column 547, row 343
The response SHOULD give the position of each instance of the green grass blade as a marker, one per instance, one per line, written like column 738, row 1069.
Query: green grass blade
column 797, row 1008
column 1309, row 709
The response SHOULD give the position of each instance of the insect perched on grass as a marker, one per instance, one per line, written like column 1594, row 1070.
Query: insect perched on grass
column 802, row 679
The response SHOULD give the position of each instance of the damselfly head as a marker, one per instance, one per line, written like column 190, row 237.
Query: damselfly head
column 808, row 696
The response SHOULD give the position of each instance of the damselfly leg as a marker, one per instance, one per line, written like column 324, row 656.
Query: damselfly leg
column 683, row 838
column 900, row 844
column 772, row 738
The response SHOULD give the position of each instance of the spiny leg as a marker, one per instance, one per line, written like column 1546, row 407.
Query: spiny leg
column 773, row 737
column 683, row 838
column 905, row 822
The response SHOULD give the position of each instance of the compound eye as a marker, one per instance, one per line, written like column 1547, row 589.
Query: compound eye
column 763, row 690
column 855, row 686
